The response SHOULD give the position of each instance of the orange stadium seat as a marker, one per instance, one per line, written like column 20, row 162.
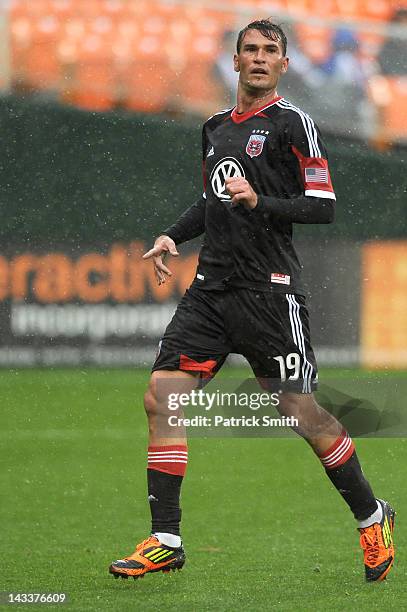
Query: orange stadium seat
column 389, row 95
column 197, row 89
column 120, row 44
column 33, row 48
column 68, row 52
column 90, row 77
column 42, row 65
column 63, row 9
column 100, row 24
column 126, row 32
column 93, row 87
column 269, row 8
column 147, row 88
column 154, row 25
column 206, row 47
column 146, row 80
column 142, row 8
column 297, row 7
column 231, row 6
column 113, row 7
column 209, row 25
column 314, row 41
column 89, row 8
column 21, row 34
column 327, row 9
column 25, row 7
column 178, row 31
column 47, row 27
column 74, row 29
column 348, row 9
column 376, row 9
column 227, row 19
column 17, row 9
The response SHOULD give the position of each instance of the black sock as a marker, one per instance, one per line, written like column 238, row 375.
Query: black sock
column 163, row 495
column 349, row 480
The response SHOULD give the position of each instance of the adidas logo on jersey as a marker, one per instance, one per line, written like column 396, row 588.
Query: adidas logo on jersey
column 211, row 152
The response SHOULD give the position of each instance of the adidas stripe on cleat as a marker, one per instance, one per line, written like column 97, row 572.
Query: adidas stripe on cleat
column 150, row 556
column 377, row 544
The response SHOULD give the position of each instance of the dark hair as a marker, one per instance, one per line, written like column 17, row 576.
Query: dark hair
column 266, row 27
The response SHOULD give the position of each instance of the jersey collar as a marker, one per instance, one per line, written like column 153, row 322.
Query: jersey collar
column 239, row 118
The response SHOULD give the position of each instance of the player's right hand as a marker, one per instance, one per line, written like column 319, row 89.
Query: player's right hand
column 162, row 246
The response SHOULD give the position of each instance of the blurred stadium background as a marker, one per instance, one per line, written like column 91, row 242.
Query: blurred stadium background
column 101, row 110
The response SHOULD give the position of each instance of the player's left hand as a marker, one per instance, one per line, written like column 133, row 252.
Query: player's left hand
column 241, row 192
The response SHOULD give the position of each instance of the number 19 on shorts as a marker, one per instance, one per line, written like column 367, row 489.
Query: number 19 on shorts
column 290, row 365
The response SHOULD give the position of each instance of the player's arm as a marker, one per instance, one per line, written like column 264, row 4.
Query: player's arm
column 188, row 226
column 304, row 209
column 191, row 223
column 317, row 203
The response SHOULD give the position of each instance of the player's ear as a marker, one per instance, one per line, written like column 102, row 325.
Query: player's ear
column 236, row 65
column 284, row 66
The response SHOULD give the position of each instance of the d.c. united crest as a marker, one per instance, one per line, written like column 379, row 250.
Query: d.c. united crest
column 255, row 145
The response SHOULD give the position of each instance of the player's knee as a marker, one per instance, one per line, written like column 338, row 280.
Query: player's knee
column 154, row 396
column 151, row 399
column 150, row 402
column 290, row 404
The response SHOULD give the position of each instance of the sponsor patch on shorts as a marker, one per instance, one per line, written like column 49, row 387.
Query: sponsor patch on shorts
column 281, row 279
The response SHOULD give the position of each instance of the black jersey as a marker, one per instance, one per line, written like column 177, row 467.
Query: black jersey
column 278, row 149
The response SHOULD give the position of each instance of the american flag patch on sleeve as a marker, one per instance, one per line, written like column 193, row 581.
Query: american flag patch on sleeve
column 316, row 175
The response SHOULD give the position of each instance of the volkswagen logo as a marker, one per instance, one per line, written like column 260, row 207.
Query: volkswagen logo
column 227, row 167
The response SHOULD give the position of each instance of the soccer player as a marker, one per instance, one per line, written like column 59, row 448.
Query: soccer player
column 265, row 168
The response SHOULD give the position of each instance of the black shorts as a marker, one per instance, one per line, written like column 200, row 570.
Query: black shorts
column 270, row 329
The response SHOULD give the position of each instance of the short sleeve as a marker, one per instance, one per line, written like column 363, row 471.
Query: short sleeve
column 307, row 145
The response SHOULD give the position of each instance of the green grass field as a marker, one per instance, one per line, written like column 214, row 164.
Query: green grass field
column 263, row 527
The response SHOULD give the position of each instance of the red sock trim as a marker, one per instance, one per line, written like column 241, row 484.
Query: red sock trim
column 168, row 459
column 340, row 451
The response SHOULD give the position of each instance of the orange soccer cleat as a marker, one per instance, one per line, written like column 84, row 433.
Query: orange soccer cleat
column 377, row 544
column 150, row 556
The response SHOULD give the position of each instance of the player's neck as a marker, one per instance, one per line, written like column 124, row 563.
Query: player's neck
column 248, row 101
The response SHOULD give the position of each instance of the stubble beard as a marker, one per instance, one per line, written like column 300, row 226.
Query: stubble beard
column 257, row 91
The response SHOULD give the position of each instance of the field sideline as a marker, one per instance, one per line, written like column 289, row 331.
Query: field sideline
column 263, row 528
